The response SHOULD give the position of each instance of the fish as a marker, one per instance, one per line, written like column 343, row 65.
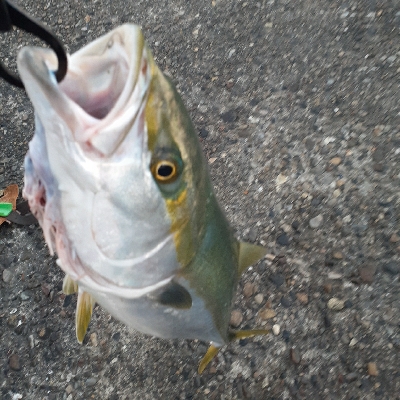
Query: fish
column 117, row 179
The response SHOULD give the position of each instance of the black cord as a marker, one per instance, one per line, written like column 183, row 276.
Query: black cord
column 11, row 15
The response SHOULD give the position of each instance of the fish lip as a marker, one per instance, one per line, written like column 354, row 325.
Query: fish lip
column 129, row 55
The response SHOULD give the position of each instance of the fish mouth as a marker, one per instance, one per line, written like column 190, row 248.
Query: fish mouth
column 101, row 95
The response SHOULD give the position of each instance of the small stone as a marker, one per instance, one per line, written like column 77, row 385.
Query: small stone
column 25, row 295
column 351, row 377
column 44, row 333
column 277, row 279
column 302, row 297
column 267, row 313
column 236, row 318
column 283, row 239
column 334, row 275
column 69, row 389
column 93, row 339
column 378, row 167
column 91, row 382
column 353, row 342
column 259, row 298
column 276, row 329
column 392, row 268
column 335, row 304
column 286, row 335
column 316, row 222
column 394, row 238
column 14, row 362
column 337, row 255
column 248, row 289
column 335, row 161
column 7, row 275
column 328, row 287
column 295, row 356
column 372, row 369
column 367, row 273
column 285, row 302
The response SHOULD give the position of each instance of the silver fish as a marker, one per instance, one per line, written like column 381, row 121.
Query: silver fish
column 117, row 179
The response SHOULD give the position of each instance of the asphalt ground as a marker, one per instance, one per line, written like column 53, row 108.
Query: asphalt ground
column 297, row 106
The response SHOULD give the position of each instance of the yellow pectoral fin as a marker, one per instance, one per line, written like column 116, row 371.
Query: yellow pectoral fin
column 249, row 254
column 69, row 285
column 84, row 310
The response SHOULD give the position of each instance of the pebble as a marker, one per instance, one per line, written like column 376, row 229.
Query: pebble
column 295, row 356
column 353, row 342
column 392, row 268
column 367, row 273
column 335, row 161
column 259, row 298
column 316, row 222
column 286, row 335
column 69, row 389
column 276, row 329
column 335, row 304
column 283, row 239
column 7, row 275
column 277, row 279
column 91, row 382
column 93, row 339
column 285, row 302
column 351, row 377
column 267, row 313
column 248, row 289
column 14, row 362
column 337, row 255
column 372, row 369
column 236, row 318
column 394, row 238
column 334, row 275
column 302, row 297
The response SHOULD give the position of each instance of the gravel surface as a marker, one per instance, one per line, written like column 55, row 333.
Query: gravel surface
column 297, row 105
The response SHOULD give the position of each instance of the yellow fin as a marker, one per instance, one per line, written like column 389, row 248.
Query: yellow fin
column 246, row 334
column 249, row 254
column 211, row 353
column 84, row 310
column 69, row 285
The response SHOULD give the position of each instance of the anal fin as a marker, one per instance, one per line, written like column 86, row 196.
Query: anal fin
column 84, row 309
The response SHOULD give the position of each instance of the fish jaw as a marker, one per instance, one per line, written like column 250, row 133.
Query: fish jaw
column 87, row 173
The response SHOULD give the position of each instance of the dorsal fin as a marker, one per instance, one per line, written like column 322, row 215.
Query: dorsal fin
column 249, row 254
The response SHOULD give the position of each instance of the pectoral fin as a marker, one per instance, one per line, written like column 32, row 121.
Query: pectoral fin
column 249, row 254
column 173, row 295
column 84, row 310
column 69, row 285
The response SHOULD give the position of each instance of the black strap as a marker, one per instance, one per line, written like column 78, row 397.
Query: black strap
column 11, row 15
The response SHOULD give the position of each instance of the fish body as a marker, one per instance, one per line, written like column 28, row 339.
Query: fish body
column 117, row 179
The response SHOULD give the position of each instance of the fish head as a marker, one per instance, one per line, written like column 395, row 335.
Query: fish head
column 114, row 172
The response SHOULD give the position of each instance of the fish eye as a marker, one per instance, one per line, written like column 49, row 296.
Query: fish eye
column 165, row 171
